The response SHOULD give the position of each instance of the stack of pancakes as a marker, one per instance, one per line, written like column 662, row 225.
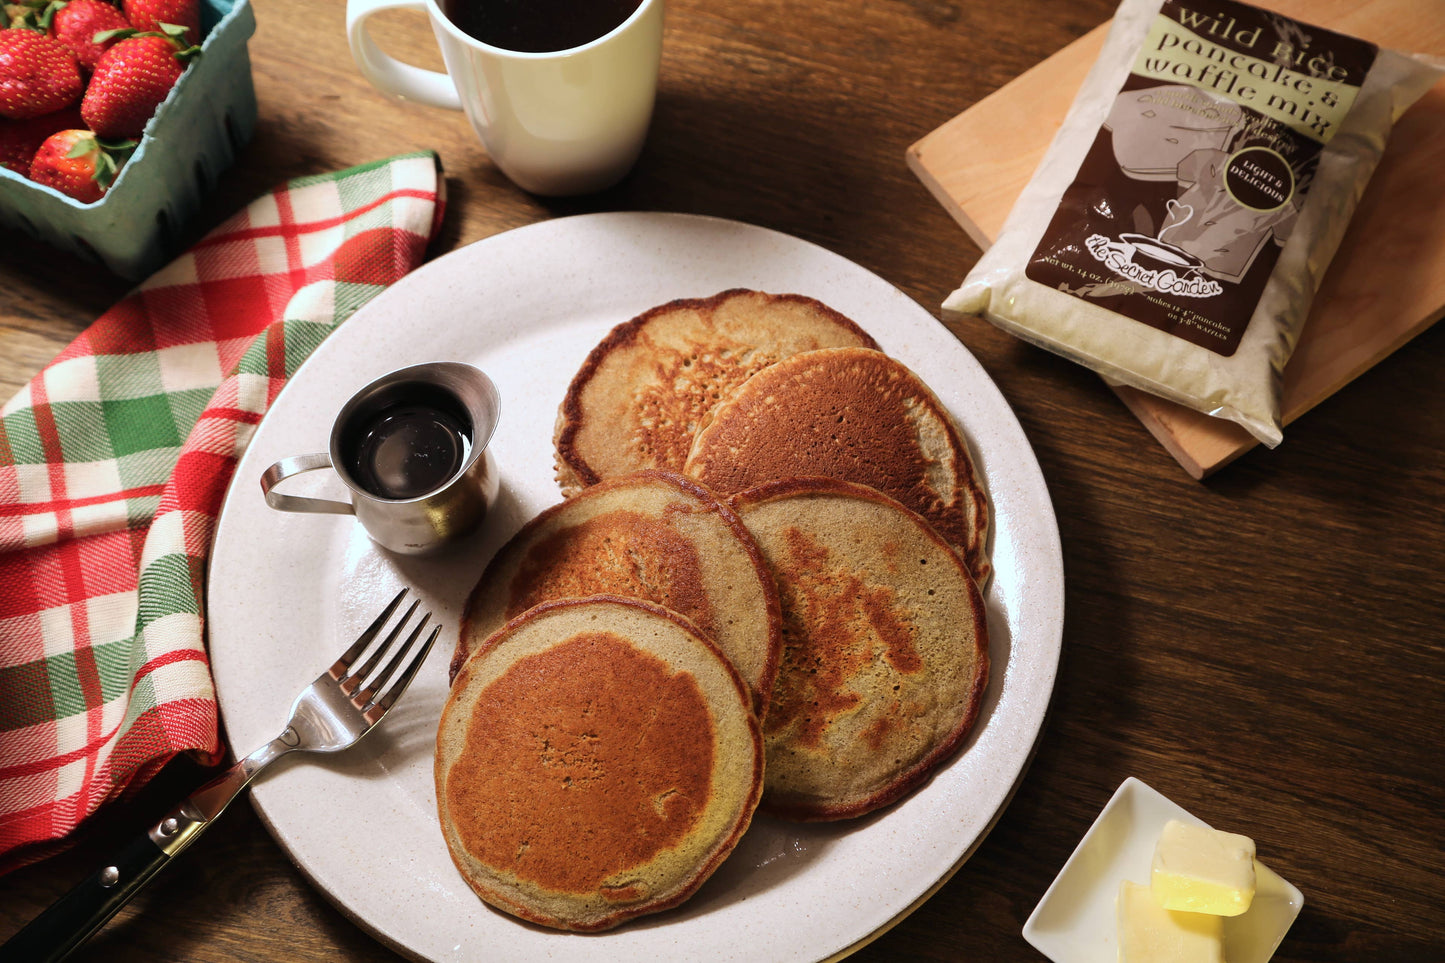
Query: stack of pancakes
column 597, row 760
column 644, row 390
column 761, row 591
column 652, row 535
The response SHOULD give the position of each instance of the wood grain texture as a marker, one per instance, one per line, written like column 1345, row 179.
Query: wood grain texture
column 1385, row 285
column 1265, row 648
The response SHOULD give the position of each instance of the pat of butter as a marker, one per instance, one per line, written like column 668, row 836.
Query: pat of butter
column 1202, row 870
column 1149, row 933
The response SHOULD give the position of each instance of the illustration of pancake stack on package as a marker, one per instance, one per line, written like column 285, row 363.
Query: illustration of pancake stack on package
column 759, row 499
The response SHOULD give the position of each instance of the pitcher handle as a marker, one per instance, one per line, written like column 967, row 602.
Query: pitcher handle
column 295, row 465
column 384, row 71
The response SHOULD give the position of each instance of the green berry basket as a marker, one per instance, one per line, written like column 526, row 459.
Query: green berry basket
column 140, row 224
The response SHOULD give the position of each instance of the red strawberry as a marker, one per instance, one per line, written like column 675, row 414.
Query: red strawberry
column 152, row 14
column 38, row 75
column 130, row 81
column 78, row 163
column 76, row 22
column 20, row 139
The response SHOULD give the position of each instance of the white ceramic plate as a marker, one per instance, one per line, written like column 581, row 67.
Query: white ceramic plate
column 287, row 592
column 1075, row 922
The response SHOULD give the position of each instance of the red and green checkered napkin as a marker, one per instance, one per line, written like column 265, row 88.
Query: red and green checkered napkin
column 113, row 464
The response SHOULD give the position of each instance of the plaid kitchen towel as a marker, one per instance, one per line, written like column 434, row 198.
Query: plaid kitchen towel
column 113, row 465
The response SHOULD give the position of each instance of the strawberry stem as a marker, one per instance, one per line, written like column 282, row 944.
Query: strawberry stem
column 177, row 32
column 101, row 36
column 109, row 157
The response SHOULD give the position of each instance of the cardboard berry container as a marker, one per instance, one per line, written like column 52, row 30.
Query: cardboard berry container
column 195, row 134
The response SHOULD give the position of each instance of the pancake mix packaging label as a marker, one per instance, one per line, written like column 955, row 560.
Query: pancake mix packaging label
column 1195, row 179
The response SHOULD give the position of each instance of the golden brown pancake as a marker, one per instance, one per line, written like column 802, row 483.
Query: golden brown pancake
column 651, row 535
column 641, row 393
column 597, row 759
column 856, row 415
column 885, row 647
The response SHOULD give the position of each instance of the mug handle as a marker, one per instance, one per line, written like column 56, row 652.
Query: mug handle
column 385, row 72
column 295, row 465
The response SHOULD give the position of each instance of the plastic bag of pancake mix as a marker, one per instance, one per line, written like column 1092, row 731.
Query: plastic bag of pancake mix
column 1178, row 227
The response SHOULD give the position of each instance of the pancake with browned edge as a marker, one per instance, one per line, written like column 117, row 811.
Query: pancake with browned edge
column 597, row 759
column 885, row 647
column 651, row 535
column 857, row 415
column 640, row 395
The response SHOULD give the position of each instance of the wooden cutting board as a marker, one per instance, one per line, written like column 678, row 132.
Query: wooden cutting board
column 1385, row 285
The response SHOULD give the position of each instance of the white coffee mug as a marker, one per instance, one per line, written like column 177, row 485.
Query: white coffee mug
column 567, row 122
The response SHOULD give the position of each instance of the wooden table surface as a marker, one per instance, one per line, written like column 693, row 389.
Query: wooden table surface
column 1266, row 648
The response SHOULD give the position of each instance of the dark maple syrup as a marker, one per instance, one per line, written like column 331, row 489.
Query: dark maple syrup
column 408, row 447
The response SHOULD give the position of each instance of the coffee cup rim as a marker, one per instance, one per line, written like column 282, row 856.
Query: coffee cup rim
column 439, row 16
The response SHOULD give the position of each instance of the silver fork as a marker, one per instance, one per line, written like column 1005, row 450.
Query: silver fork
column 329, row 715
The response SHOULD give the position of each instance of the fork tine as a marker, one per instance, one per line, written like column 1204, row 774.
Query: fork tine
column 380, row 707
column 339, row 667
column 353, row 681
column 367, row 695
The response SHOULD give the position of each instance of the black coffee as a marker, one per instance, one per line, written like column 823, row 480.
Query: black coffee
column 408, row 448
column 538, row 26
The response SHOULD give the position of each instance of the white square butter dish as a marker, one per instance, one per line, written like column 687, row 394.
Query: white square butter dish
column 1075, row 920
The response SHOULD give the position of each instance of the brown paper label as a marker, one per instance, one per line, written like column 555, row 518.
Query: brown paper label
column 1194, row 182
